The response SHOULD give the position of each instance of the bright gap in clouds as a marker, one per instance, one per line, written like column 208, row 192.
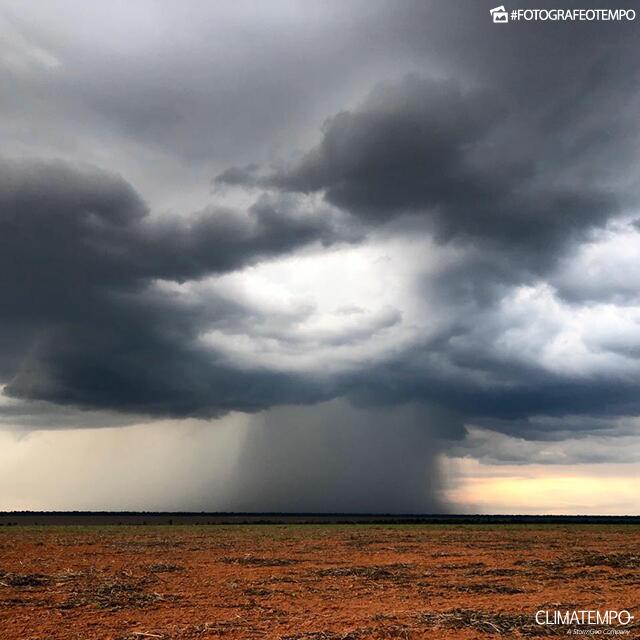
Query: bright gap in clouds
column 576, row 489
column 341, row 308
column 328, row 312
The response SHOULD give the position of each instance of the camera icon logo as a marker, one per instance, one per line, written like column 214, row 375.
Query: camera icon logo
column 499, row 15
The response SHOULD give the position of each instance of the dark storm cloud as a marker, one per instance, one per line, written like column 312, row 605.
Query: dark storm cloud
column 504, row 393
column 84, row 226
column 428, row 149
column 527, row 150
column 528, row 144
column 80, row 323
column 510, row 143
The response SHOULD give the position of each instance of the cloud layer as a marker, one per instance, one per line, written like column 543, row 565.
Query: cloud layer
column 85, row 322
column 215, row 209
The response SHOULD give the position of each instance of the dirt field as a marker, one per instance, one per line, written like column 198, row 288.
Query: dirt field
column 310, row 582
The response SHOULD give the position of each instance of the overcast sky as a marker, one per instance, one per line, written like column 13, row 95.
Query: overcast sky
column 341, row 256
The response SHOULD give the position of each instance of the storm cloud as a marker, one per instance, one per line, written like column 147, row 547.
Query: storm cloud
column 464, row 162
column 82, row 321
column 402, row 211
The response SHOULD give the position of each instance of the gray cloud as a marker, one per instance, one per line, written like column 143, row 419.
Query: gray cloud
column 174, row 92
column 515, row 147
column 82, row 324
column 99, row 230
column 519, row 163
column 427, row 148
column 491, row 447
column 487, row 362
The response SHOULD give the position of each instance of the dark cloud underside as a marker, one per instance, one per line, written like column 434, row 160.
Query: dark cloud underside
column 81, row 323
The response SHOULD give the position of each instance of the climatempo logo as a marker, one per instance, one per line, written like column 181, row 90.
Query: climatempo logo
column 611, row 620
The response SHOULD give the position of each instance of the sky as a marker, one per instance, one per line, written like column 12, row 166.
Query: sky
column 322, row 256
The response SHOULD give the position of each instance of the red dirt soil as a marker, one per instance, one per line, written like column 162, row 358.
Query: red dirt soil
column 311, row 582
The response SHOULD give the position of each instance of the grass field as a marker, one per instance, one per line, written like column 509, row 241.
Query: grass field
column 310, row 582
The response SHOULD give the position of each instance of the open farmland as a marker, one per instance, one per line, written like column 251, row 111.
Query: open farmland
column 310, row 582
